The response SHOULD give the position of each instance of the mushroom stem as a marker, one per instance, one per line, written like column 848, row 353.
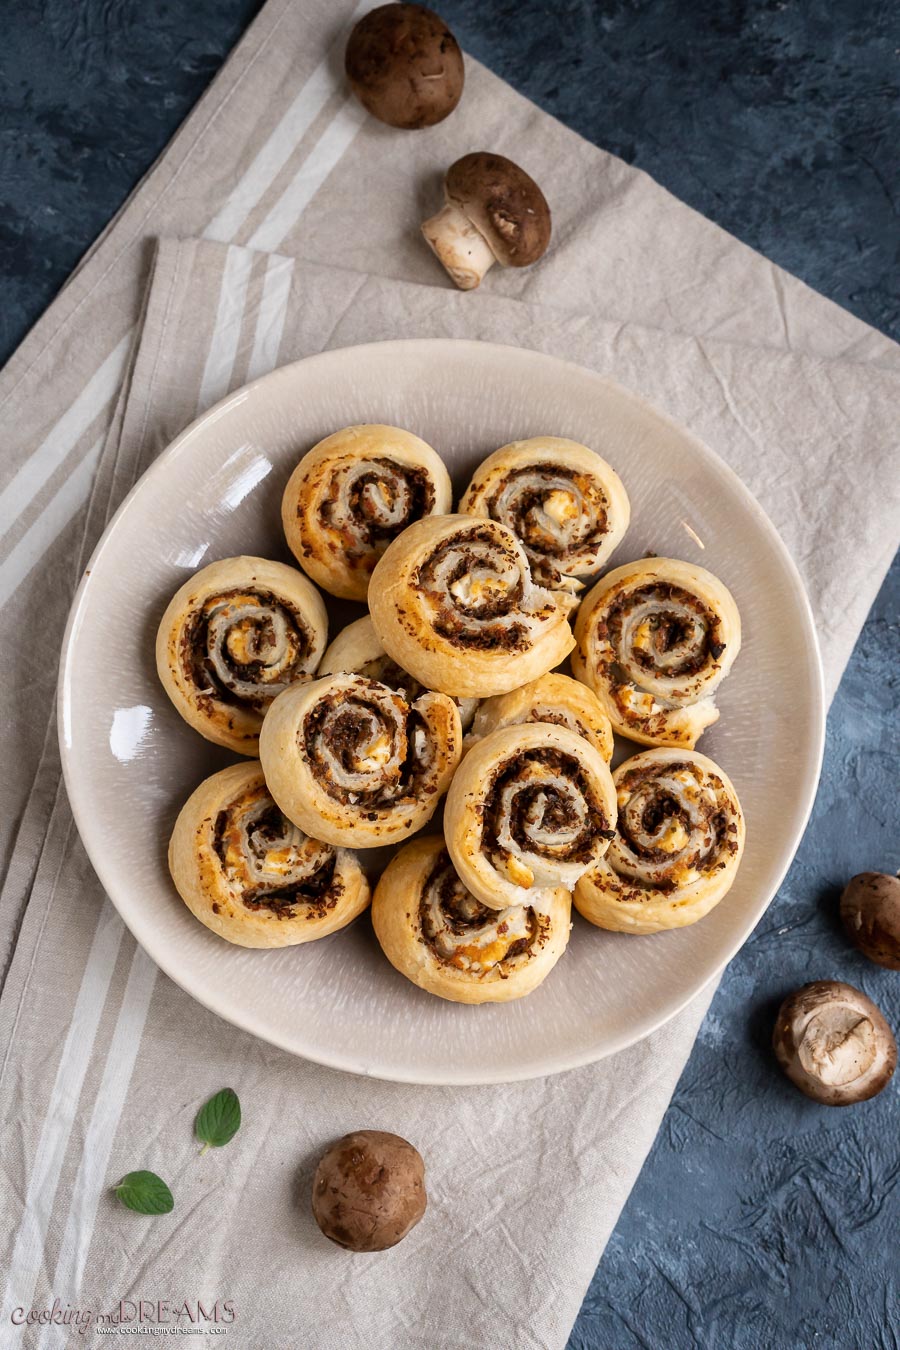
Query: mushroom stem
column 461, row 247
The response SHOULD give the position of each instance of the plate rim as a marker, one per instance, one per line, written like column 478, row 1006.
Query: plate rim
column 344, row 1063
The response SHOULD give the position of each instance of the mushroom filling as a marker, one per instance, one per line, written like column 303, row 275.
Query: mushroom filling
column 385, row 671
column 543, row 822
column 661, row 634
column 677, row 824
column 370, row 501
column 560, row 515
column 245, row 647
column 271, row 864
column 559, row 717
column 481, row 592
column 371, row 749
column 465, row 934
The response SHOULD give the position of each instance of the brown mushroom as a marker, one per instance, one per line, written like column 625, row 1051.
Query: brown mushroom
column 834, row 1044
column 494, row 213
column 405, row 66
column 369, row 1190
column 870, row 912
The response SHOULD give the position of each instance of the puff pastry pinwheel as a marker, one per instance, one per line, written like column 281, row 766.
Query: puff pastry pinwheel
column 352, row 494
column 655, row 640
column 553, row 698
column 352, row 762
column 358, row 650
column 454, row 603
column 232, row 638
column 678, row 844
column 251, row 875
column 566, row 504
column 439, row 936
column 530, row 808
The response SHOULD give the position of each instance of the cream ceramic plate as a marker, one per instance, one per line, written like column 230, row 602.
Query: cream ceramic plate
column 130, row 761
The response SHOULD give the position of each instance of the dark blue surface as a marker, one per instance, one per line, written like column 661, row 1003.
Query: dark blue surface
column 760, row 1220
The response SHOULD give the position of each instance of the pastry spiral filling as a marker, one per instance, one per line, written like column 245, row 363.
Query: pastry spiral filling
column 357, row 651
column 369, row 748
column 560, row 515
column 559, row 717
column 554, row 700
column 245, row 647
column 661, row 635
column 369, row 501
column 385, row 671
column 677, row 824
column 268, row 863
column 481, row 592
column 467, row 935
column 542, row 815
column 654, row 640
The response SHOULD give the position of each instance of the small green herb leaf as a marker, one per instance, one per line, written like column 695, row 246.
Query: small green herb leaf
column 145, row 1192
column 220, row 1119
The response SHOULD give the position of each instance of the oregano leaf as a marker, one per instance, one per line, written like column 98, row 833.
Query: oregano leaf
column 146, row 1193
column 220, row 1119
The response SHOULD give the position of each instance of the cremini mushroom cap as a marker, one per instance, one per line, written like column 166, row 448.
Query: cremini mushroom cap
column 834, row 1043
column 405, row 66
column 870, row 912
column 369, row 1190
column 504, row 203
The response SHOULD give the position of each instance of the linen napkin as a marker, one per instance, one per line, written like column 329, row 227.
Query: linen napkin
column 103, row 1058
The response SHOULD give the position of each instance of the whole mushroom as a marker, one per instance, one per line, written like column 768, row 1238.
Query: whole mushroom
column 405, row 66
column 870, row 912
column 834, row 1044
column 369, row 1190
column 493, row 213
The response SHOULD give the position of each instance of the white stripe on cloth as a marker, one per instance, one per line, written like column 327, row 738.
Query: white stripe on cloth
column 56, row 515
column 271, row 318
column 30, row 1238
column 101, row 1131
column 312, row 173
column 282, row 142
column 28, row 1253
column 24, row 486
column 27, row 1257
column 227, row 331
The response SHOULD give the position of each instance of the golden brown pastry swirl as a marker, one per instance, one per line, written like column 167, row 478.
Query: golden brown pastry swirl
column 439, row 936
column 566, row 504
column 454, row 603
column 251, row 875
column 530, row 808
column 678, row 844
column 352, row 494
column 234, row 637
column 353, row 761
column 655, row 639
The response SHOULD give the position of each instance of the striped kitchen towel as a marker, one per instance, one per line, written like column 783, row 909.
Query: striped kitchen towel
column 280, row 222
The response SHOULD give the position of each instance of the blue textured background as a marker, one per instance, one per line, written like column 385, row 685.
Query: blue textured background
column 760, row 1219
